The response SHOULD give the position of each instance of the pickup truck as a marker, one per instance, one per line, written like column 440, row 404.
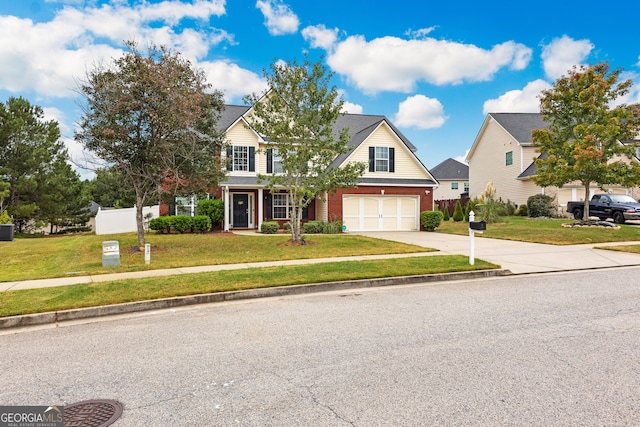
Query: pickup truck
column 616, row 206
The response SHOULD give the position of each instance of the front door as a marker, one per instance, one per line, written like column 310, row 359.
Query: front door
column 240, row 210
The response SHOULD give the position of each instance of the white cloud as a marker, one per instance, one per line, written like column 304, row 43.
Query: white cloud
column 562, row 54
column 320, row 36
column 419, row 34
column 351, row 108
column 518, row 101
column 463, row 158
column 279, row 18
column 233, row 81
column 395, row 64
column 420, row 112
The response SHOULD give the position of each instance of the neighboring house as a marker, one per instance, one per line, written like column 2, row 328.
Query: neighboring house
column 453, row 177
column 390, row 195
column 503, row 153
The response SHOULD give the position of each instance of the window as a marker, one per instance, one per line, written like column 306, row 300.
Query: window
column 274, row 161
column 509, row 158
column 241, row 158
column 454, row 185
column 466, row 187
column 381, row 159
column 280, row 207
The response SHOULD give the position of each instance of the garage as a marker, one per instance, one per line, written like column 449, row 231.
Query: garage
column 380, row 213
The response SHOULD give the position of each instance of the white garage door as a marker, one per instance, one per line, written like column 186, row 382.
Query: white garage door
column 380, row 213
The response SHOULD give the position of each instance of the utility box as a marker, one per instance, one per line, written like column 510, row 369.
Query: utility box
column 6, row 232
column 478, row 225
column 111, row 253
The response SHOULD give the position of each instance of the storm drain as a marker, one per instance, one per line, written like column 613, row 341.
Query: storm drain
column 92, row 413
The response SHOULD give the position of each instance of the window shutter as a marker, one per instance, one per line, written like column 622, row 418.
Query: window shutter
column 229, row 160
column 269, row 205
column 269, row 160
column 252, row 159
column 392, row 159
column 372, row 159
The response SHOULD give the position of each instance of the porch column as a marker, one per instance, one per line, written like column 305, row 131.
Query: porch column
column 226, row 208
column 260, row 207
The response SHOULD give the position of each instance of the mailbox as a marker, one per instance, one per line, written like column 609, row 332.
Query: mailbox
column 478, row 225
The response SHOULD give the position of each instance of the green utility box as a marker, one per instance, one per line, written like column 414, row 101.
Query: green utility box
column 111, row 253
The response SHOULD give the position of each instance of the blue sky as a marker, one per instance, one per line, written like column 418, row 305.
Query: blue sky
column 434, row 68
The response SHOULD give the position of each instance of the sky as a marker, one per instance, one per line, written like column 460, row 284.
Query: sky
column 434, row 68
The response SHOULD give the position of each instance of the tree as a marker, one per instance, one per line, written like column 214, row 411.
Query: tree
column 109, row 188
column 32, row 161
column 154, row 118
column 296, row 119
column 587, row 138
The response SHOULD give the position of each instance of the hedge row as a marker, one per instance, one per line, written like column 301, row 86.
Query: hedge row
column 181, row 224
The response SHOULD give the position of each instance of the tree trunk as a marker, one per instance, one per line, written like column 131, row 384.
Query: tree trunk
column 585, row 211
column 139, row 221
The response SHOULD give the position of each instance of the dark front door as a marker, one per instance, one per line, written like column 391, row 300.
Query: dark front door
column 240, row 210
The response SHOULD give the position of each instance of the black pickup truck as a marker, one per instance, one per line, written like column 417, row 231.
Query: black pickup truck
column 616, row 206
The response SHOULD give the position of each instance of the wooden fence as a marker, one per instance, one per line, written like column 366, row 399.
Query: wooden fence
column 450, row 204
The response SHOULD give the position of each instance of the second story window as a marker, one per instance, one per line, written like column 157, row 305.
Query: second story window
column 241, row 158
column 381, row 159
column 274, row 161
column 454, row 185
column 509, row 158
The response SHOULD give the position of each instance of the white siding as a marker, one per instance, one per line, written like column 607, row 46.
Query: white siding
column 444, row 192
column 240, row 135
column 406, row 165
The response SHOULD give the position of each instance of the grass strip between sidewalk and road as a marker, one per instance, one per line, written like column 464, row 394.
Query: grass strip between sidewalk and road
column 103, row 293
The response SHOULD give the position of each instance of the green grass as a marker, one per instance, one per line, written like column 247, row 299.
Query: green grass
column 95, row 294
column 549, row 231
column 63, row 256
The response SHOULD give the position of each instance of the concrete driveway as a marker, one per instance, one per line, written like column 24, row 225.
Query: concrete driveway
column 519, row 257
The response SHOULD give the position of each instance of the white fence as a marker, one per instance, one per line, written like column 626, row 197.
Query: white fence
column 113, row 221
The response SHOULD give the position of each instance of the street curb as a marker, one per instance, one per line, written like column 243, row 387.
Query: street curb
column 132, row 307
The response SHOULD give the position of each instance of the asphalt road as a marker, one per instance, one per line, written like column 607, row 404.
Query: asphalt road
column 556, row 349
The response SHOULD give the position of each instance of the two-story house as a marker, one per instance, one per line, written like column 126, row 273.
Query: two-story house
column 389, row 196
column 503, row 153
column 453, row 177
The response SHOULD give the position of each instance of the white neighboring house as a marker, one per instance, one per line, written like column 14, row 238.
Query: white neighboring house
column 453, row 177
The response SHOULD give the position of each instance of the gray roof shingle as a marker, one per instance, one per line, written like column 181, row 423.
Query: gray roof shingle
column 451, row 169
column 520, row 125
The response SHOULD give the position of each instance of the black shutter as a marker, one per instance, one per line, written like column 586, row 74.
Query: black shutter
column 269, row 160
column 269, row 206
column 392, row 160
column 252, row 159
column 305, row 212
column 229, row 162
column 372, row 159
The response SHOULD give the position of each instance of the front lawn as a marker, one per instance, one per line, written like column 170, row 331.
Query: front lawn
column 64, row 256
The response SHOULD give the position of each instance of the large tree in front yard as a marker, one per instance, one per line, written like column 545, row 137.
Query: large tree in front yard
column 296, row 120
column 153, row 117
column 588, row 138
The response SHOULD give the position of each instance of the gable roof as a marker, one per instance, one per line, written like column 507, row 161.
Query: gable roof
column 451, row 169
column 229, row 115
column 520, row 125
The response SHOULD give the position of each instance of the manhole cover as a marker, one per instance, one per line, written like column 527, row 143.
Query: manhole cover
column 92, row 413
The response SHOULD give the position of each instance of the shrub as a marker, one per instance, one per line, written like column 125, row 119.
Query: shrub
column 160, row 224
column 334, row 227
column 312, row 227
column 445, row 214
column 431, row 219
column 470, row 206
column 5, row 218
column 213, row 208
column 269, row 227
column 490, row 209
column 181, row 223
column 522, row 210
column 509, row 208
column 201, row 223
column 458, row 215
column 540, row 205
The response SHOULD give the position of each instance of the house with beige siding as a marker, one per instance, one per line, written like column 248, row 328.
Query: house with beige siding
column 503, row 153
column 453, row 177
column 389, row 196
